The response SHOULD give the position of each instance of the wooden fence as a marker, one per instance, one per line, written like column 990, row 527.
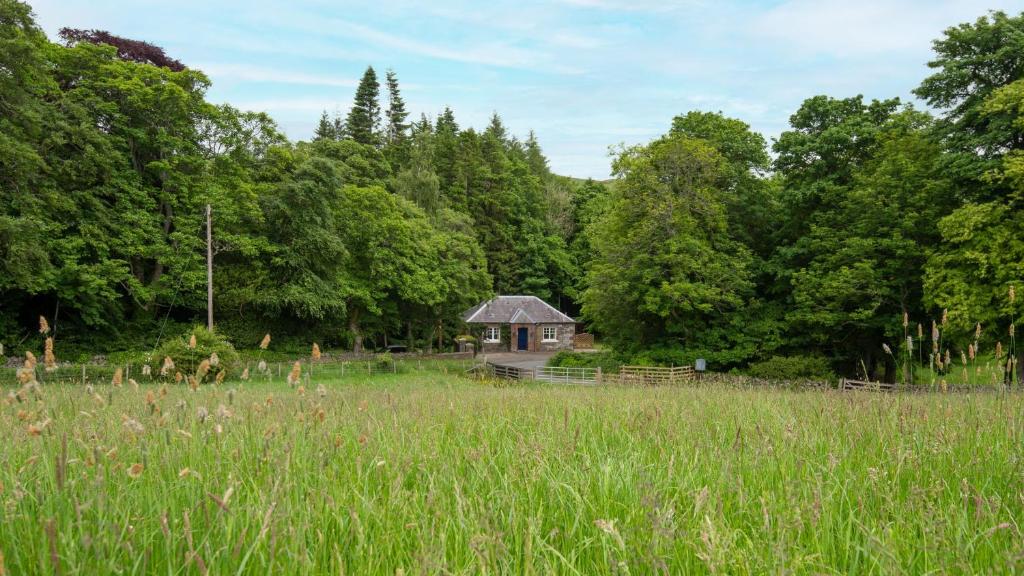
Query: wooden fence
column 509, row 372
column 583, row 341
column 655, row 375
column 845, row 384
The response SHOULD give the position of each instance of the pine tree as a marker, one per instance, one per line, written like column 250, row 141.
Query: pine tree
column 396, row 114
column 325, row 129
column 363, row 124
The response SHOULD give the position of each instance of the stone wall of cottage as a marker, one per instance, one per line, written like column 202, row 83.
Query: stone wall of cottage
column 566, row 333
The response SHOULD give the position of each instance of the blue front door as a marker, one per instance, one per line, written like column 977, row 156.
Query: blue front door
column 524, row 339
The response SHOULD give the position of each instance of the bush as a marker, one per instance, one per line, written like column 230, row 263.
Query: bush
column 607, row 361
column 792, row 368
column 186, row 360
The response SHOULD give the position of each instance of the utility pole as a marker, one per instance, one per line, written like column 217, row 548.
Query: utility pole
column 209, row 268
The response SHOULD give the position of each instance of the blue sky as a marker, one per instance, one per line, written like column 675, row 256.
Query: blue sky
column 583, row 74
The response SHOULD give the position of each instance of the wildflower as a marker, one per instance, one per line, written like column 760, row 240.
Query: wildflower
column 192, row 342
column 910, row 344
column 920, row 332
column 887, row 349
column 945, row 317
column 316, row 351
column 44, row 326
column 963, row 358
column 184, row 472
column 947, row 357
column 30, row 360
column 135, row 470
column 202, row 413
column 265, row 342
column 146, row 370
column 970, row 351
column 906, row 319
column 935, row 332
column 999, row 350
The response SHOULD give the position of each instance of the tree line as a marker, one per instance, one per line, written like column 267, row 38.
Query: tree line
column 383, row 228
column 379, row 227
column 872, row 226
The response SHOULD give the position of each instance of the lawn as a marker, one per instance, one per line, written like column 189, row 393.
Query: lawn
column 429, row 472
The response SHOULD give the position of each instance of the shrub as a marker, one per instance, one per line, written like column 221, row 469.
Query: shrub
column 606, row 361
column 793, row 368
column 186, row 360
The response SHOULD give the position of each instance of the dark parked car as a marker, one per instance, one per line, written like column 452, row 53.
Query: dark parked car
column 395, row 348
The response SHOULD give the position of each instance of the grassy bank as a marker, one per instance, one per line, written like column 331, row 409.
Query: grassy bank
column 427, row 472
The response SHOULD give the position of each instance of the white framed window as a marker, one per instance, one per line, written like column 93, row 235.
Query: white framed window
column 492, row 334
column 550, row 333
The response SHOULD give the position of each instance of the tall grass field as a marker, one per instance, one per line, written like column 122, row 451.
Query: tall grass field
column 429, row 472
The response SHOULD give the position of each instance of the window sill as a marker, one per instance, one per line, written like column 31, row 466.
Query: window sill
column 492, row 341
column 548, row 341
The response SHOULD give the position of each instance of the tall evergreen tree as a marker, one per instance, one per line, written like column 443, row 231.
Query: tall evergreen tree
column 325, row 129
column 396, row 114
column 363, row 123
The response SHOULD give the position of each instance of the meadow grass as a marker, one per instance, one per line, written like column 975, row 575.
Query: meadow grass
column 433, row 473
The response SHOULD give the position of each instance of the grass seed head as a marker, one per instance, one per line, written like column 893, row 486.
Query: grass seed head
column 44, row 326
column 49, row 360
column 295, row 374
column 135, row 470
column 214, row 360
column 906, row 320
column 192, row 342
column 202, row 370
column 245, row 374
column 316, row 351
column 265, row 342
column 118, row 378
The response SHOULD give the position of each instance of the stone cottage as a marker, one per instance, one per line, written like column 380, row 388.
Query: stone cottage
column 520, row 324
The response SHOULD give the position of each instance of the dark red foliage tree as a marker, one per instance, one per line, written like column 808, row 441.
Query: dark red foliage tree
column 127, row 49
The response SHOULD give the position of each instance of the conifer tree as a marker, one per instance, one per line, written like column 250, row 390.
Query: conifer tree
column 363, row 124
column 325, row 129
column 396, row 114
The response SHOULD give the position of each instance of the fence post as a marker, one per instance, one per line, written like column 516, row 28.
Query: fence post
column 597, row 375
column 83, row 374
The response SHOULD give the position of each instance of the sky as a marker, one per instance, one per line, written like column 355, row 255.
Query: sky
column 584, row 75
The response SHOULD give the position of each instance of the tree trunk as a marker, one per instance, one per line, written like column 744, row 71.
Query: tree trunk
column 357, row 335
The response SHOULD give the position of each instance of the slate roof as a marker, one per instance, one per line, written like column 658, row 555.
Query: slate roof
column 514, row 310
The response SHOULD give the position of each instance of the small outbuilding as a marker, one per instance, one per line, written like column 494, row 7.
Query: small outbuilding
column 520, row 324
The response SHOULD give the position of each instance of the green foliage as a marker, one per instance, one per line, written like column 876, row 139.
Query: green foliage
column 608, row 361
column 187, row 359
column 793, row 368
